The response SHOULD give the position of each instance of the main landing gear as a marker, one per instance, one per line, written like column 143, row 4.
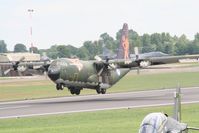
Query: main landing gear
column 101, row 91
column 75, row 90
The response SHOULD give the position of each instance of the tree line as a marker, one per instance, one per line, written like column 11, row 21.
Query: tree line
column 163, row 42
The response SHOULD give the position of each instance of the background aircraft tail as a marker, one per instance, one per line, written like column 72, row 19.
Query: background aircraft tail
column 123, row 51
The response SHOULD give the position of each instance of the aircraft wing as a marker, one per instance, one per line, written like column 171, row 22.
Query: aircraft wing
column 169, row 59
column 40, row 66
column 129, row 63
column 23, row 63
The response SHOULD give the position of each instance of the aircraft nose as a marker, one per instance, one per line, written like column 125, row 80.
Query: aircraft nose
column 54, row 74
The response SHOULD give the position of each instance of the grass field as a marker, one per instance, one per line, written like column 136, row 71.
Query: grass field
column 112, row 121
column 45, row 88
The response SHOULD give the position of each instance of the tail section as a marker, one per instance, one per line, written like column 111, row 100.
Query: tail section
column 123, row 51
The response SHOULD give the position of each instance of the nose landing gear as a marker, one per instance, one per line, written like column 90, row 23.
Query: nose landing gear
column 101, row 91
column 59, row 87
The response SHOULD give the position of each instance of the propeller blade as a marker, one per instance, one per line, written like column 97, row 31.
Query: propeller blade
column 21, row 59
column 136, row 51
column 112, row 66
column 7, row 71
column 98, row 58
column 19, row 73
column 16, row 64
column 100, row 72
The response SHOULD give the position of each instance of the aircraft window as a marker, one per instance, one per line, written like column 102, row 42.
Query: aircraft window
column 54, row 63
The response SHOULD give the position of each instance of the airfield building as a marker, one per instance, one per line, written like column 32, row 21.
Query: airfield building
column 12, row 57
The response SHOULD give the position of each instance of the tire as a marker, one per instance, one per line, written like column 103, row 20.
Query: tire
column 59, row 87
column 77, row 91
column 103, row 91
column 98, row 91
column 72, row 91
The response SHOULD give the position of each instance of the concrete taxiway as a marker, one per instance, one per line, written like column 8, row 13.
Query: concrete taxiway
column 95, row 102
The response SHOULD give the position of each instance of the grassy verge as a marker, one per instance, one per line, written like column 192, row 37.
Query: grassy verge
column 134, row 82
column 39, row 89
column 112, row 121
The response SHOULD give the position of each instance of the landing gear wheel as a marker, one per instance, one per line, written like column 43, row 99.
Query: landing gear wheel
column 75, row 90
column 59, row 87
column 98, row 91
column 72, row 91
column 103, row 91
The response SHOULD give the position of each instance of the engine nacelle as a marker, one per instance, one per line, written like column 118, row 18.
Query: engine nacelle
column 144, row 64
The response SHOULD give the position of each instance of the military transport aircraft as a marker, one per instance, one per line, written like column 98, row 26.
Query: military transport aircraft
column 98, row 74
column 101, row 74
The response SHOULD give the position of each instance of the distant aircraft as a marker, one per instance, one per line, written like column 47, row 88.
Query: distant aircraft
column 21, row 67
column 123, row 50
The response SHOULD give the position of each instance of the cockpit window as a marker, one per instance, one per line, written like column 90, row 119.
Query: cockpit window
column 54, row 63
column 58, row 63
column 62, row 63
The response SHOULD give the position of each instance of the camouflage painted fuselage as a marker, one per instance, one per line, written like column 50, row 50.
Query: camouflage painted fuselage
column 83, row 74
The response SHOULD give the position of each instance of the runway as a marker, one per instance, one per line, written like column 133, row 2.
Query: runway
column 95, row 102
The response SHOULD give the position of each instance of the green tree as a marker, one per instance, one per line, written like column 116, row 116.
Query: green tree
column 19, row 47
column 156, row 41
column 167, row 43
column 108, row 41
column 3, row 47
column 63, row 52
column 83, row 53
column 73, row 50
column 196, row 37
column 193, row 47
column 146, row 43
column 52, row 52
column 181, row 45
column 134, row 40
column 91, row 49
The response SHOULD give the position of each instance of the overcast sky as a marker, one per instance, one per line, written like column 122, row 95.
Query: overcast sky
column 75, row 21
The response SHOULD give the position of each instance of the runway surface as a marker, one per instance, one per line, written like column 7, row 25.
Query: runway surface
column 95, row 102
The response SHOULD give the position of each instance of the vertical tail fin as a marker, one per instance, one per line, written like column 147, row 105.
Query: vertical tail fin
column 123, row 51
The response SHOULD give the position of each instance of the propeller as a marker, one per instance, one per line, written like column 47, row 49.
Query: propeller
column 7, row 71
column 103, row 66
column 15, row 66
column 136, row 51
